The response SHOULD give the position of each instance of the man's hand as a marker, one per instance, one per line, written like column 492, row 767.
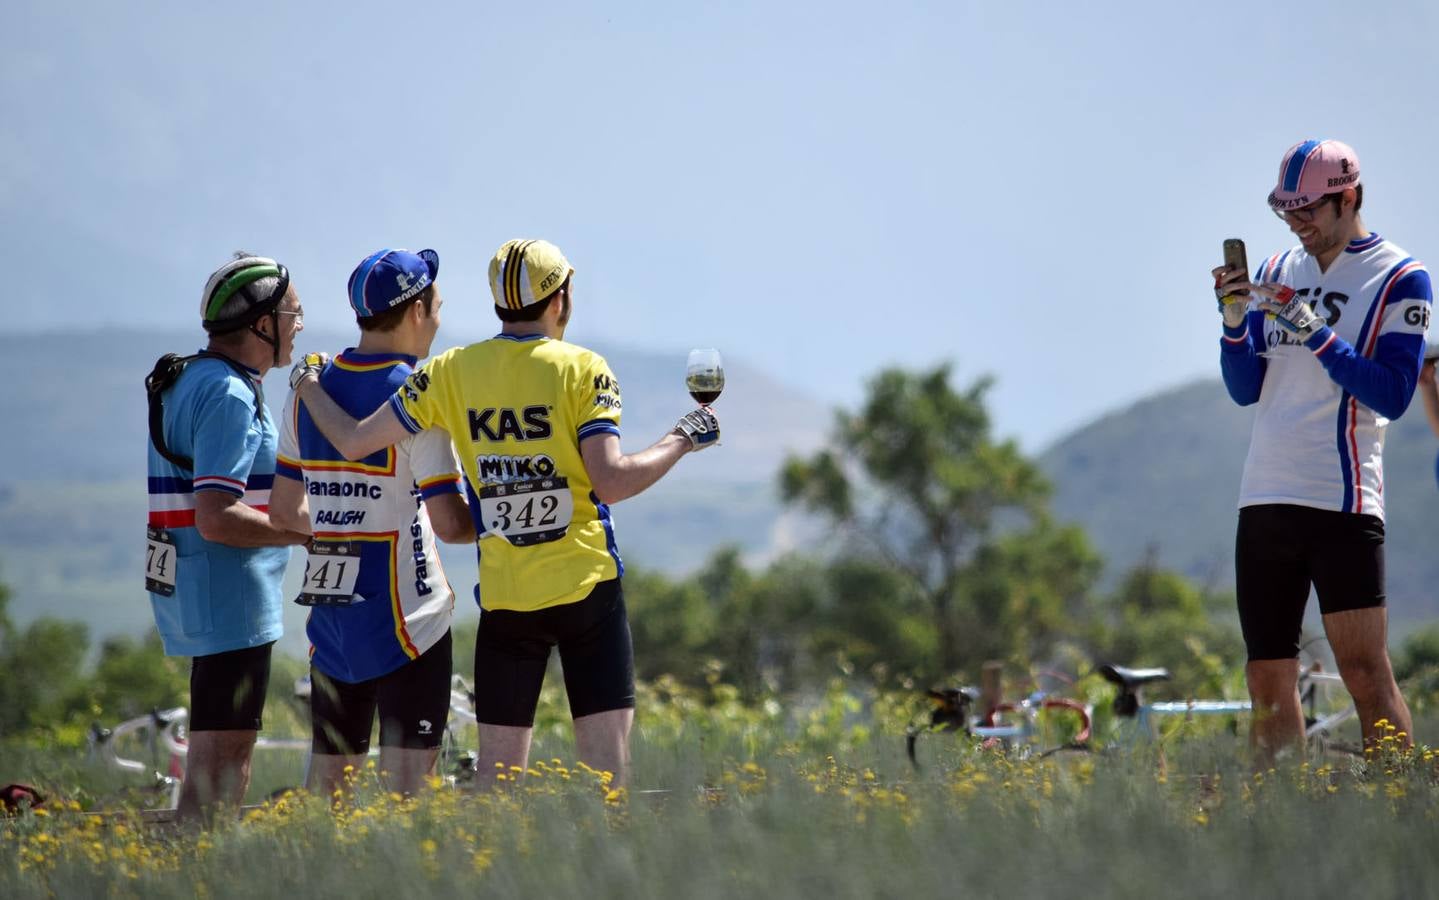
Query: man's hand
column 1292, row 313
column 309, row 364
column 700, row 427
column 1231, row 289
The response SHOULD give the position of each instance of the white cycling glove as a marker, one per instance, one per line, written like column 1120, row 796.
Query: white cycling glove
column 309, row 364
column 701, row 427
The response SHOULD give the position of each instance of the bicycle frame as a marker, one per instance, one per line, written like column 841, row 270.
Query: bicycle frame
column 1130, row 707
column 164, row 731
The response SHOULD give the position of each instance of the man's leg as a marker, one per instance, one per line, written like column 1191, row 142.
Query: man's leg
column 327, row 773
column 1271, row 575
column 217, row 772
column 227, row 696
column 602, row 741
column 341, row 716
column 512, row 650
column 1350, row 580
column 414, row 703
column 502, row 747
column 599, row 662
column 1278, row 719
column 1359, row 639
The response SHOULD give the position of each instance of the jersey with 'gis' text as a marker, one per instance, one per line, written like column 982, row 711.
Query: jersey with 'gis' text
column 1323, row 405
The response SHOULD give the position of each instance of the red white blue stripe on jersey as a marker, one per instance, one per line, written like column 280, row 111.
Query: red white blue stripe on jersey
column 172, row 500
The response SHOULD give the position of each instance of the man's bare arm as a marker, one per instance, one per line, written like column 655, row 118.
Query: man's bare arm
column 617, row 476
column 226, row 519
column 355, row 440
column 450, row 516
column 289, row 507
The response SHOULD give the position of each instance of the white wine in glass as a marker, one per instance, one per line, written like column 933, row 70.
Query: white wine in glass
column 704, row 376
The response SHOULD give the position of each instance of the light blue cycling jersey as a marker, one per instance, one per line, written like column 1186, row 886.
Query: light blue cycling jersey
column 212, row 598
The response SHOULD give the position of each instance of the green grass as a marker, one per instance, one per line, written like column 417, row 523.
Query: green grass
column 735, row 800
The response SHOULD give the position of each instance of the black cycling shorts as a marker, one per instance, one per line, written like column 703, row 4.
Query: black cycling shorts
column 227, row 690
column 1280, row 550
column 512, row 650
column 413, row 702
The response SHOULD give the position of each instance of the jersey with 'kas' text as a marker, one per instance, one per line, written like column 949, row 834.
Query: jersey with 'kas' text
column 517, row 409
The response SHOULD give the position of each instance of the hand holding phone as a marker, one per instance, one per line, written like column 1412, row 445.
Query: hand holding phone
column 1235, row 259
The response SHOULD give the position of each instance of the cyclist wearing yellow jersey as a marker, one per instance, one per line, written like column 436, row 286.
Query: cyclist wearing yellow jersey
column 535, row 422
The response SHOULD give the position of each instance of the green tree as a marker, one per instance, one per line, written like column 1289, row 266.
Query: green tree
column 135, row 676
column 917, row 477
column 1157, row 617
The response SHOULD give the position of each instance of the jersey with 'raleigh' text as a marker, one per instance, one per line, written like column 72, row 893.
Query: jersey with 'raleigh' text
column 517, row 408
column 377, row 592
column 1323, row 405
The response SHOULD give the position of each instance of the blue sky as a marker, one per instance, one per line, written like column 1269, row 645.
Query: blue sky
column 1032, row 190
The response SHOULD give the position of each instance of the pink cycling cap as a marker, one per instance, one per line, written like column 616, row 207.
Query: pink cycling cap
column 1312, row 169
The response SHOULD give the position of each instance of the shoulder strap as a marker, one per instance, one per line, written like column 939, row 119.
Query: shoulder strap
column 164, row 375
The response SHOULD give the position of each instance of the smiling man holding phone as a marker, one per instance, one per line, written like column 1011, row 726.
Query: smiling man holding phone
column 1328, row 341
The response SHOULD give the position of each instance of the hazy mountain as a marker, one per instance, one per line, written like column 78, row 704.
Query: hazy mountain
column 1164, row 473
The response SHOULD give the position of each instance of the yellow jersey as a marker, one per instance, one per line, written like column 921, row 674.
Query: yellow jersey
column 517, row 408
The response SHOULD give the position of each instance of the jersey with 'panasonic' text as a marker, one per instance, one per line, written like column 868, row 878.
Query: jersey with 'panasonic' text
column 1323, row 404
column 378, row 596
column 517, row 408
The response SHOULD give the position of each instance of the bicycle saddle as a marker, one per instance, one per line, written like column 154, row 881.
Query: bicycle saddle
column 1130, row 679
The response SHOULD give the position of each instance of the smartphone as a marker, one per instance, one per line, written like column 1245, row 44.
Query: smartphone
column 1234, row 258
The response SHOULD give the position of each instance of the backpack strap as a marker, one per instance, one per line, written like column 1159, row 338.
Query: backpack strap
column 164, row 375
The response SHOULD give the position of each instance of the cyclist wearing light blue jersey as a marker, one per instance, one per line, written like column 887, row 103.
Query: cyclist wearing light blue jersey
column 213, row 559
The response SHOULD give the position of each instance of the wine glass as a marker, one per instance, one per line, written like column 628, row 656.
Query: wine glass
column 704, row 376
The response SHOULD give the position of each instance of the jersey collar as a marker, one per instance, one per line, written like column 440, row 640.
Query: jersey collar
column 356, row 358
column 1359, row 245
column 520, row 338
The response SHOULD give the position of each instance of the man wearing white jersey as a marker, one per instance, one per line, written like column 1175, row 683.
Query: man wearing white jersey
column 380, row 606
column 1328, row 341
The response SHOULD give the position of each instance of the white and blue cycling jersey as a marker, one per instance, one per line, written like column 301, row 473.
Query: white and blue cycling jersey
column 396, row 603
column 1323, row 404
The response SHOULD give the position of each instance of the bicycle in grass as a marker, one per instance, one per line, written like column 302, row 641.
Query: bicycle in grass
column 162, row 733
column 1018, row 727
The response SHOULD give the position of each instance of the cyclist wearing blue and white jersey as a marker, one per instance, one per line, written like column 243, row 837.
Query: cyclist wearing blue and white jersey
column 380, row 606
column 1327, row 342
column 214, row 561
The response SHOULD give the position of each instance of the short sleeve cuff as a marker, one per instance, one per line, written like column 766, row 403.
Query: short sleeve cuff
column 289, row 468
column 398, row 405
column 435, row 487
column 598, row 426
column 220, row 483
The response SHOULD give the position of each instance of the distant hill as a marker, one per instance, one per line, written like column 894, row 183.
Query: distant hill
column 72, row 492
column 1165, row 473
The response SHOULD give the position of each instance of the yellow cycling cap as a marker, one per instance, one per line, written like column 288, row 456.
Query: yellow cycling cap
column 523, row 273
